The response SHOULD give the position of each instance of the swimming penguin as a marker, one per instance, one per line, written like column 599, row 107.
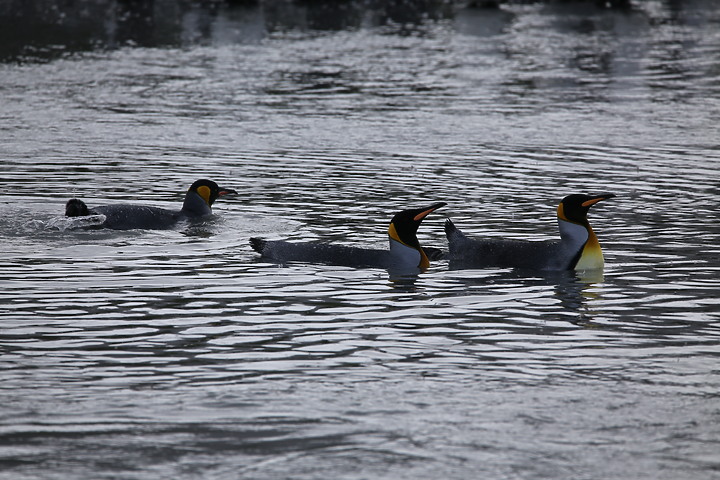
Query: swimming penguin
column 405, row 252
column 198, row 200
column 577, row 249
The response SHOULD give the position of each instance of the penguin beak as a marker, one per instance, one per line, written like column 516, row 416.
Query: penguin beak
column 420, row 216
column 225, row 191
column 597, row 198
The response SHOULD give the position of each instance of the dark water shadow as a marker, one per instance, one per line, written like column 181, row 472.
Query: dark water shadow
column 572, row 289
column 43, row 30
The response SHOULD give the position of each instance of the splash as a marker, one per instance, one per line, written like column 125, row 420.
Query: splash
column 63, row 224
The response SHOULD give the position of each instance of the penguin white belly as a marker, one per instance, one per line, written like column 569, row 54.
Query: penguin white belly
column 403, row 255
column 580, row 240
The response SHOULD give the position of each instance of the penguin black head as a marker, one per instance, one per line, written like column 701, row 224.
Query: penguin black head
column 574, row 208
column 209, row 190
column 76, row 208
column 404, row 225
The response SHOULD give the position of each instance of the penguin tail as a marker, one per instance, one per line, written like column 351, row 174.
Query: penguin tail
column 453, row 234
column 450, row 228
column 76, row 208
column 258, row 244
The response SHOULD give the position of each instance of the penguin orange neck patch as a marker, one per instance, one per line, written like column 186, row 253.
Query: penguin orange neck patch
column 204, row 192
column 392, row 232
column 561, row 212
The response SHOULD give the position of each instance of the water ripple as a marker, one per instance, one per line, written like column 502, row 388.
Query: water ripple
column 180, row 353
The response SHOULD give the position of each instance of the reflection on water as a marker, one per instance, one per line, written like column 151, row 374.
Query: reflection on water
column 44, row 29
column 49, row 28
column 180, row 353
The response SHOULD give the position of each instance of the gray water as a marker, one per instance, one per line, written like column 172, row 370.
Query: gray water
column 180, row 354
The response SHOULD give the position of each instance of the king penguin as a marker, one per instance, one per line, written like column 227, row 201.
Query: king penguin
column 405, row 252
column 577, row 249
column 198, row 202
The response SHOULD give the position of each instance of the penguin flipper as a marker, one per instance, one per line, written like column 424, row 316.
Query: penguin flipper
column 434, row 253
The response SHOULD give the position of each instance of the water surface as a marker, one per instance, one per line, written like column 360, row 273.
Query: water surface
column 180, row 354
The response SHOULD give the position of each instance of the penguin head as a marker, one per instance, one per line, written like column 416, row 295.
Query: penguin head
column 404, row 225
column 76, row 208
column 574, row 208
column 209, row 190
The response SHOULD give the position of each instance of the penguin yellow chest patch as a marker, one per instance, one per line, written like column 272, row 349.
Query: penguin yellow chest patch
column 591, row 257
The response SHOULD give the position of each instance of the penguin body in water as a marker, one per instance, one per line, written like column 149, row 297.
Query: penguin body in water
column 197, row 204
column 405, row 252
column 577, row 249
